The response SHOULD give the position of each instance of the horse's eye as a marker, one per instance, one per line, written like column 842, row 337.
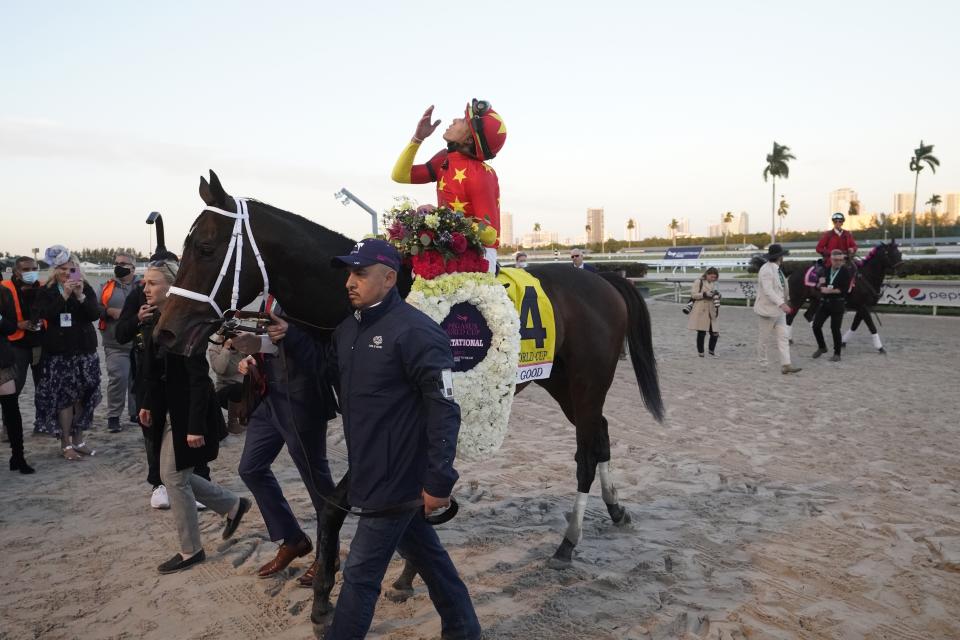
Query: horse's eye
column 205, row 249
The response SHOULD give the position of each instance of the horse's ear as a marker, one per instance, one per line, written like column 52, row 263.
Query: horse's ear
column 219, row 193
column 205, row 194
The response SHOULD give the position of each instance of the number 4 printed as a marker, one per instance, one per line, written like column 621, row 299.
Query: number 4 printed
column 530, row 312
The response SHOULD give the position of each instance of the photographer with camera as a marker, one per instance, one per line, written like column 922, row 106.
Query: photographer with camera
column 69, row 388
column 705, row 309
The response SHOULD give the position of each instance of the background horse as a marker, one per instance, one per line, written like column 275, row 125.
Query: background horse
column 867, row 285
column 594, row 314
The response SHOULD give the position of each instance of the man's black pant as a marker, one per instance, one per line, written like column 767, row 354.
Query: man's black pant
column 832, row 308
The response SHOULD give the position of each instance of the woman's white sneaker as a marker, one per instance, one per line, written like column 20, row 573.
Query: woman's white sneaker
column 159, row 499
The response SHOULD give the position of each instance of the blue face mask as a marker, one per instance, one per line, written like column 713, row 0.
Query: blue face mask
column 30, row 277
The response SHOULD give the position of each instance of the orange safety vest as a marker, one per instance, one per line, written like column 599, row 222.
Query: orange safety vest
column 19, row 333
column 105, row 301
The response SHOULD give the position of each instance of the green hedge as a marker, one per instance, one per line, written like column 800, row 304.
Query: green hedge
column 632, row 269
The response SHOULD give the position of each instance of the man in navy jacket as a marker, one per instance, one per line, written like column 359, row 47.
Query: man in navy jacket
column 401, row 427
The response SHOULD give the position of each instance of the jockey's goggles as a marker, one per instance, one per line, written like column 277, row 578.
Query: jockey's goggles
column 479, row 108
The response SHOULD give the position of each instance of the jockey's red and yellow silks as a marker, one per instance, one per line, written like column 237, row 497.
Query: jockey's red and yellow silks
column 464, row 184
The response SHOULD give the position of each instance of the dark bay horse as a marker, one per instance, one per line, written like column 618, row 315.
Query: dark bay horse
column 594, row 314
column 868, row 283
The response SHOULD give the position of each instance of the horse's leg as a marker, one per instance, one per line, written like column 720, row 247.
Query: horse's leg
column 402, row 587
column 328, row 550
column 868, row 319
column 582, row 404
column 790, row 316
column 857, row 318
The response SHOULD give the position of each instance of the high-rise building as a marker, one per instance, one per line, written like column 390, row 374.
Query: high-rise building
column 539, row 239
column 840, row 200
column 595, row 235
column 682, row 230
column 902, row 203
column 506, row 228
column 951, row 207
column 715, row 230
column 743, row 223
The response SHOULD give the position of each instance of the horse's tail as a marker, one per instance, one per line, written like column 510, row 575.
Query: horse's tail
column 755, row 263
column 641, row 344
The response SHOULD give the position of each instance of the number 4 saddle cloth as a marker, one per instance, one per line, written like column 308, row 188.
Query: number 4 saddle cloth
column 537, row 325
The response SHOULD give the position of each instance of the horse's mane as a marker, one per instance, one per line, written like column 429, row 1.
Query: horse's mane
column 294, row 217
column 299, row 218
column 873, row 254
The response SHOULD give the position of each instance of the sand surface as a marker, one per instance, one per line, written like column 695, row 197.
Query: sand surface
column 823, row 505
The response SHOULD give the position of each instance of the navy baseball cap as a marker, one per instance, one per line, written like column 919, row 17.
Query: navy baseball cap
column 368, row 252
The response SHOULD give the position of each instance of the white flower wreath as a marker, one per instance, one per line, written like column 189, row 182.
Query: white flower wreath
column 484, row 393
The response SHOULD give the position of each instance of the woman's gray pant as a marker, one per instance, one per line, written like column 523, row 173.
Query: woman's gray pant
column 185, row 489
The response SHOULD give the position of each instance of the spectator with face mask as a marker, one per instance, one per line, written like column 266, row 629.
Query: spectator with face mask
column 69, row 388
column 23, row 287
column 9, row 396
column 521, row 260
column 113, row 294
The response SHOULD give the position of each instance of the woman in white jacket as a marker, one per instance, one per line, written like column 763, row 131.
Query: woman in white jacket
column 771, row 307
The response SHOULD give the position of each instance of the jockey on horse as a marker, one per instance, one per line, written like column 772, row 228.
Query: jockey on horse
column 465, row 183
column 837, row 238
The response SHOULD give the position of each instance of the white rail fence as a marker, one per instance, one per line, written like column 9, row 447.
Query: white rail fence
column 913, row 293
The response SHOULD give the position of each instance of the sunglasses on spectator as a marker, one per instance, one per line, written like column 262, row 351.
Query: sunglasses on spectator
column 162, row 264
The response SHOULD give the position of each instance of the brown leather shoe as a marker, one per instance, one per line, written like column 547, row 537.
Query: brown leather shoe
column 286, row 554
column 306, row 580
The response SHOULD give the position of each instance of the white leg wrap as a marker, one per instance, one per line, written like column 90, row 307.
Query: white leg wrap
column 789, row 330
column 876, row 341
column 607, row 489
column 575, row 526
column 847, row 335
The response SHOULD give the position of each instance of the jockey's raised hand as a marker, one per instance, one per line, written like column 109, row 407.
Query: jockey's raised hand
column 425, row 127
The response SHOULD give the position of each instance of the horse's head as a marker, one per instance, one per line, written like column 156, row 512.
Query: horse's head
column 188, row 319
column 889, row 254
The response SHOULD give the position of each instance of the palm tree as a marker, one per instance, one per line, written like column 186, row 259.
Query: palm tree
column 536, row 227
column 921, row 155
column 934, row 201
column 631, row 225
column 782, row 211
column 727, row 219
column 777, row 167
column 674, row 225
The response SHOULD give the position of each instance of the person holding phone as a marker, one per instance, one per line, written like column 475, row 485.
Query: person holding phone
column 69, row 389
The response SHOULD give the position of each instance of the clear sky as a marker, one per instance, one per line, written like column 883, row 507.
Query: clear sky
column 109, row 110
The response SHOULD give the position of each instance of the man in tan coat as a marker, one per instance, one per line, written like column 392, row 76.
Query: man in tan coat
column 771, row 308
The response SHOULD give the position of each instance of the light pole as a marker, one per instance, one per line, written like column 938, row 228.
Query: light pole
column 345, row 198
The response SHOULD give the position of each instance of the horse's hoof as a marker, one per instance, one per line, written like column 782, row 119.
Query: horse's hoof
column 791, row 340
column 624, row 519
column 399, row 594
column 563, row 556
column 882, row 351
column 320, row 613
column 618, row 514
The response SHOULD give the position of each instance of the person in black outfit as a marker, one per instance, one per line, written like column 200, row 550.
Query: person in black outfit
column 69, row 388
column 181, row 410
column 135, row 313
column 401, row 425
column 9, row 393
column 833, row 288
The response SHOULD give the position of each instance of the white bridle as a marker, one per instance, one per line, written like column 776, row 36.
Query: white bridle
column 241, row 222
